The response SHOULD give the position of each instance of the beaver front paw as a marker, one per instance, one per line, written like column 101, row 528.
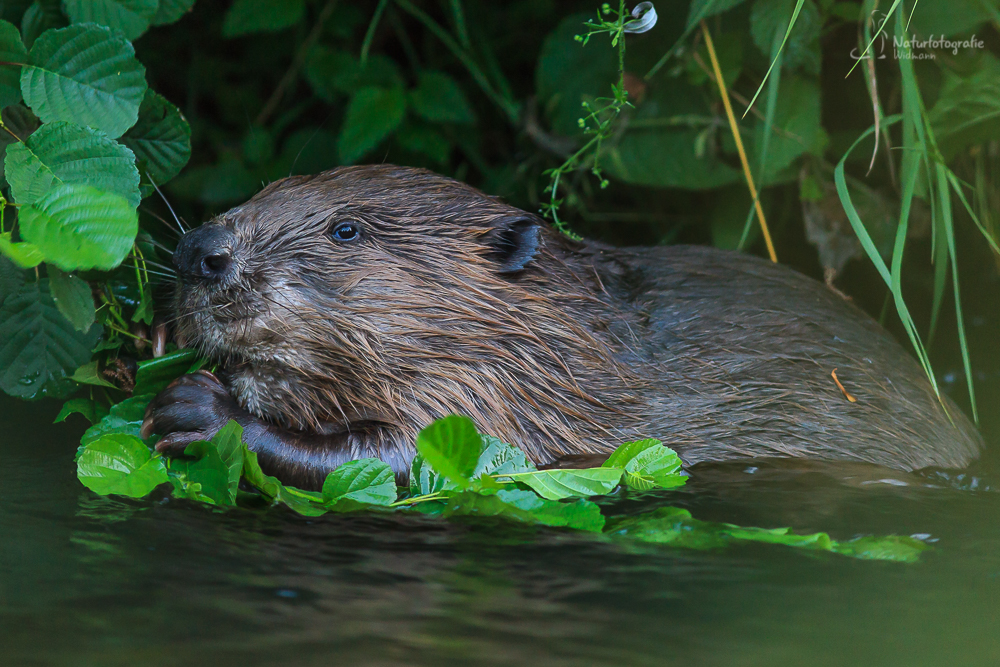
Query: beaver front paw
column 193, row 407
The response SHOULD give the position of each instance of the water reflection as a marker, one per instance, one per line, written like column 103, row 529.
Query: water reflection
column 105, row 581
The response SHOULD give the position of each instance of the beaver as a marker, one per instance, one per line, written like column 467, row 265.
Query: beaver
column 349, row 309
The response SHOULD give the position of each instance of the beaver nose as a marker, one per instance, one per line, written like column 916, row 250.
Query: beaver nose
column 205, row 253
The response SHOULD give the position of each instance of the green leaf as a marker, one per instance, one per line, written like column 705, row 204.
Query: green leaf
column 798, row 128
column 90, row 409
column 62, row 152
column 943, row 19
column 129, row 17
column 80, row 227
column 154, row 375
column 170, row 11
column 24, row 255
column 439, row 99
column 41, row 15
column 372, row 115
column 495, row 458
column 228, row 442
column 648, row 464
column 11, row 278
column 122, row 465
column 161, row 140
column 84, row 74
column 967, row 110
column 334, row 73
column 89, row 374
column 364, row 481
column 12, row 51
column 39, row 348
column 527, row 507
column 124, row 418
column 499, row 458
column 674, row 119
column 425, row 480
column 424, row 140
column 568, row 74
column 269, row 486
column 207, row 468
column 73, row 298
column 451, row 446
column 20, row 123
column 558, row 484
column 249, row 16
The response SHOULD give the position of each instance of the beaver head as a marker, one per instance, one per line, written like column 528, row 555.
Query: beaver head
column 397, row 296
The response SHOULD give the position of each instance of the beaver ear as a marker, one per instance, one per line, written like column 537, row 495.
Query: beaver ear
column 515, row 242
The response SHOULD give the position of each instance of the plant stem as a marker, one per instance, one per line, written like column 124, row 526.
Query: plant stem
column 739, row 142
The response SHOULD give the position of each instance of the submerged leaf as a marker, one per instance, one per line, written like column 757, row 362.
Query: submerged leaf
column 527, row 507
column 676, row 527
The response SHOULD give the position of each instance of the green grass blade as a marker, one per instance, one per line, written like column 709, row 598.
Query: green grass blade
column 895, row 4
column 366, row 44
column 772, row 104
column 788, row 31
column 957, row 187
column 949, row 230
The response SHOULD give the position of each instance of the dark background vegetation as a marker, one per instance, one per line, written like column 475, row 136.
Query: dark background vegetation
column 489, row 92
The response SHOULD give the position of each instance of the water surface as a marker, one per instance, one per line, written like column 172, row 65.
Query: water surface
column 101, row 581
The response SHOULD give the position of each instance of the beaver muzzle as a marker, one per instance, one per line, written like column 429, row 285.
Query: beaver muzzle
column 205, row 254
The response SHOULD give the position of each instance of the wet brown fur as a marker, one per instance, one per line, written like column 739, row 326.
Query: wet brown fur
column 720, row 355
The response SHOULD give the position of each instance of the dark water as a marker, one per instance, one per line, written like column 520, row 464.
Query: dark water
column 86, row 580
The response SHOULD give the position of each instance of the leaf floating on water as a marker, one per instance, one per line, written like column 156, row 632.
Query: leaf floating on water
column 648, row 464
column 559, row 484
column 120, row 464
column 363, row 481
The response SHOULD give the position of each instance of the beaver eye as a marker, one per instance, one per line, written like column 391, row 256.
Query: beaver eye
column 346, row 231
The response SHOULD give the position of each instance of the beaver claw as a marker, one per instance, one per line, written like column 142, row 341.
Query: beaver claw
column 193, row 407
